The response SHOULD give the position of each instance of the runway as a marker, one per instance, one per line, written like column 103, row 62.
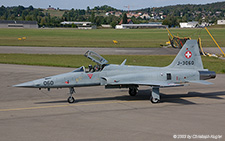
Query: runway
column 82, row 50
column 103, row 51
column 100, row 114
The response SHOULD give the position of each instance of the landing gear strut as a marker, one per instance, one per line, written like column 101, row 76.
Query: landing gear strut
column 133, row 91
column 155, row 97
column 70, row 98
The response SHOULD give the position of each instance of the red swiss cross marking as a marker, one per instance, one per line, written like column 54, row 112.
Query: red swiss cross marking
column 90, row 75
column 188, row 54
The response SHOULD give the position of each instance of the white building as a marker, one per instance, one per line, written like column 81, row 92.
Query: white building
column 135, row 26
column 81, row 25
column 221, row 22
column 76, row 23
column 188, row 24
column 145, row 16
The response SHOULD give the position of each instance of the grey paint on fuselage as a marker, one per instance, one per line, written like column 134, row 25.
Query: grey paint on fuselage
column 187, row 67
column 127, row 73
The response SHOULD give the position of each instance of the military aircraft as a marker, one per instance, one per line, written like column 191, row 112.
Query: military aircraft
column 186, row 68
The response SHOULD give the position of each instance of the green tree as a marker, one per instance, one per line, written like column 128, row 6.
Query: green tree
column 88, row 10
column 171, row 21
column 93, row 17
column 184, row 18
column 124, row 18
column 113, row 24
column 31, row 8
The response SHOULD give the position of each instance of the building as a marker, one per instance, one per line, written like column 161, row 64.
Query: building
column 50, row 8
column 76, row 23
column 117, row 14
column 18, row 24
column 129, row 21
column 80, row 25
column 188, row 24
column 145, row 16
column 135, row 26
column 221, row 22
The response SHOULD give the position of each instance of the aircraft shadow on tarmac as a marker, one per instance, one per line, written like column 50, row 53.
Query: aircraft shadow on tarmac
column 144, row 95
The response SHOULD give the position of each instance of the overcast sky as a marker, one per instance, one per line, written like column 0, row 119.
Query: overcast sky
column 119, row 4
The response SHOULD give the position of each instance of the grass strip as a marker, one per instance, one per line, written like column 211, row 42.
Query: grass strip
column 104, row 37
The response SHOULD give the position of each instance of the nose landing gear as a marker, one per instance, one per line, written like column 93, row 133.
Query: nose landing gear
column 71, row 98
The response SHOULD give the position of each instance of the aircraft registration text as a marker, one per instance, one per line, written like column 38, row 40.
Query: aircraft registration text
column 185, row 63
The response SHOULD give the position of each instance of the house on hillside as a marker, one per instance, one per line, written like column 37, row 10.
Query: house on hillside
column 109, row 13
column 129, row 21
column 50, row 8
column 145, row 16
column 117, row 14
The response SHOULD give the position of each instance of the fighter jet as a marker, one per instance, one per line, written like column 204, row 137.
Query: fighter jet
column 186, row 68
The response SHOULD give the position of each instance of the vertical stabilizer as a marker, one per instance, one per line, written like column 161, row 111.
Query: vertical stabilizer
column 188, row 57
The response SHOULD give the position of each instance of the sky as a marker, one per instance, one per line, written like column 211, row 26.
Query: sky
column 119, row 4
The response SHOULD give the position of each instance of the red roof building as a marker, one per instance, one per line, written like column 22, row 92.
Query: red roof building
column 129, row 21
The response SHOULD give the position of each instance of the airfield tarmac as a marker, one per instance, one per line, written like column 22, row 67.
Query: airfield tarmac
column 100, row 114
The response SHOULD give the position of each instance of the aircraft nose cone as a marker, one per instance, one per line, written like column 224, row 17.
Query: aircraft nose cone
column 26, row 84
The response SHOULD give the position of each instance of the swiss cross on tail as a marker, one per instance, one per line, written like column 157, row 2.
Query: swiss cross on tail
column 188, row 54
column 90, row 75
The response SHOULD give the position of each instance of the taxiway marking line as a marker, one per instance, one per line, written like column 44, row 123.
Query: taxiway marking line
column 65, row 105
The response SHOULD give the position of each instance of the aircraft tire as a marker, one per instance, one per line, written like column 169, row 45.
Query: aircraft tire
column 154, row 100
column 132, row 91
column 70, row 100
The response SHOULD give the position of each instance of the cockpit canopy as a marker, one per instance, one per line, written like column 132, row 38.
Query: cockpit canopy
column 81, row 69
column 95, row 58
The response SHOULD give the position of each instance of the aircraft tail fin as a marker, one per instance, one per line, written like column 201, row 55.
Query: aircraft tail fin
column 188, row 57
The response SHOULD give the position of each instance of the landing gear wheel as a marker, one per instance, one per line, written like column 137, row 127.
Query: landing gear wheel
column 71, row 100
column 132, row 91
column 154, row 100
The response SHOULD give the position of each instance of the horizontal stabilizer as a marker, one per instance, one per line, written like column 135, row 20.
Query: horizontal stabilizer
column 202, row 82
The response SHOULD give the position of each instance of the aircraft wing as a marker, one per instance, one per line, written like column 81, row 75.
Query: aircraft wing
column 158, row 83
column 146, row 83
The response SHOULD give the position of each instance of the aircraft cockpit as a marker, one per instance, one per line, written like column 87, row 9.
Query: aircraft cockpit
column 80, row 69
column 99, row 60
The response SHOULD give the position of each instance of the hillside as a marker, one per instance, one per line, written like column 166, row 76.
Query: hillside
column 213, row 7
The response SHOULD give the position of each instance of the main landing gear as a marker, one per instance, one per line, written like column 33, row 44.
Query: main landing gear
column 155, row 97
column 133, row 91
column 70, row 98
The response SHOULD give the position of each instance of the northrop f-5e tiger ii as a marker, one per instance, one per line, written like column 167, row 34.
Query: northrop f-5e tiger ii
column 186, row 68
